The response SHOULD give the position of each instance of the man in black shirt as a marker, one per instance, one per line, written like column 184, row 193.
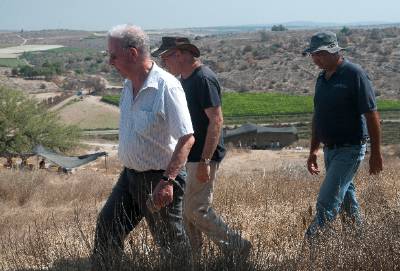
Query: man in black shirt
column 345, row 115
column 203, row 94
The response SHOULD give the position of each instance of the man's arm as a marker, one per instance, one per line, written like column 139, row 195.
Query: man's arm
column 312, row 165
column 179, row 156
column 216, row 120
column 374, row 130
column 164, row 191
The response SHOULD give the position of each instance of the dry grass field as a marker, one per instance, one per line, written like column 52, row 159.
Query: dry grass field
column 47, row 220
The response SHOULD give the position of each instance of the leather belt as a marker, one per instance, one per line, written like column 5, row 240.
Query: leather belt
column 345, row 144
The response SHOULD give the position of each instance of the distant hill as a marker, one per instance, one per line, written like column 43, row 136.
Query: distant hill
column 245, row 58
column 272, row 61
column 293, row 25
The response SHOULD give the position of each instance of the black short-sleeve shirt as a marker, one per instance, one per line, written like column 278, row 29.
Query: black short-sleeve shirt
column 202, row 91
column 340, row 102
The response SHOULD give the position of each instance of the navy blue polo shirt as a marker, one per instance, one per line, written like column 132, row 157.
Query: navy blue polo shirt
column 202, row 91
column 340, row 102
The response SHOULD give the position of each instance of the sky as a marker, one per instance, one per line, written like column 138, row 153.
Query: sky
column 155, row 14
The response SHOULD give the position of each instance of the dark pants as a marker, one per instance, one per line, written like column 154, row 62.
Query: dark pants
column 126, row 207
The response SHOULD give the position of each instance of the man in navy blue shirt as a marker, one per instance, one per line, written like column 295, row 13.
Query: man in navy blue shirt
column 345, row 117
column 203, row 94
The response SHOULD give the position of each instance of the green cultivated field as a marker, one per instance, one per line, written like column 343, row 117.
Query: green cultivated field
column 278, row 109
column 11, row 62
column 265, row 104
column 274, row 107
column 111, row 99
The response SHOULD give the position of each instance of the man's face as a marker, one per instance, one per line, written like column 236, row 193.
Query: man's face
column 119, row 57
column 324, row 60
column 169, row 60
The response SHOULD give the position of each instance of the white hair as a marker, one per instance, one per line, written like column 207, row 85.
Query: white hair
column 131, row 36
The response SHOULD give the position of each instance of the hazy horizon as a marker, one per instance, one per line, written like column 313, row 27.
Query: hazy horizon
column 101, row 15
column 287, row 24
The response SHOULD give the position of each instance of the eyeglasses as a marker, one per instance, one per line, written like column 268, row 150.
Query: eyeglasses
column 113, row 56
column 165, row 56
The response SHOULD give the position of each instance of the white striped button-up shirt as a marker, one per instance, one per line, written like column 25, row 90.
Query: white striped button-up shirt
column 152, row 122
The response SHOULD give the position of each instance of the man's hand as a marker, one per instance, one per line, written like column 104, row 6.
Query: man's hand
column 163, row 194
column 374, row 131
column 375, row 163
column 312, row 165
column 203, row 172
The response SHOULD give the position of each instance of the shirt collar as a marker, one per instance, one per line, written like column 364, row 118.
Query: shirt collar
column 152, row 78
column 341, row 65
column 193, row 73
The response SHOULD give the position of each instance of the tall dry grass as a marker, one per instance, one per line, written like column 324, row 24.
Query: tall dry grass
column 47, row 222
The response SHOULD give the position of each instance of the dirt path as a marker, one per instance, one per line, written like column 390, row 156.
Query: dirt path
column 24, row 40
column 88, row 100
column 97, row 100
column 60, row 105
column 244, row 161
column 252, row 161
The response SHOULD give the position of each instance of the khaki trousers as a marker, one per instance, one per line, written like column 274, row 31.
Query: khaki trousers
column 199, row 216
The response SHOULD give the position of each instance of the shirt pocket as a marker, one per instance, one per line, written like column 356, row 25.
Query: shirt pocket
column 143, row 122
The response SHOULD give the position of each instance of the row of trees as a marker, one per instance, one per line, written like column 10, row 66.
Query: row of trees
column 24, row 124
column 78, row 61
column 279, row 27
column 48, row 70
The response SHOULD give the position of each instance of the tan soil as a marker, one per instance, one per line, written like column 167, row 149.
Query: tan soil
column 251, row 161
column 90, row 113
column 29, row 86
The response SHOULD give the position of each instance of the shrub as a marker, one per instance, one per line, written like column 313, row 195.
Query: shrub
column 345, row 30
column 247, row 48
column 278, row 28
column 264, row 36
column 24, row 124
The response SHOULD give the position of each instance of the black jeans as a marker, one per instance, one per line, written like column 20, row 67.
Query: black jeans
column 125, row 208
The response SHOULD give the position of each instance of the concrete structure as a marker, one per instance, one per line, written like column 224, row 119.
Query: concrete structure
column 259, row 137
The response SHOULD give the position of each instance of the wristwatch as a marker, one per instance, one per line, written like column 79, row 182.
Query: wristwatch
column 205, row 161
column 167, row 179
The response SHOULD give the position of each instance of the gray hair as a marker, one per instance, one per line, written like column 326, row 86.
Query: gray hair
column 131, row 36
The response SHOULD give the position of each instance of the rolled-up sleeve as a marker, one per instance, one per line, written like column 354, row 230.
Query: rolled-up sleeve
column 177, row 112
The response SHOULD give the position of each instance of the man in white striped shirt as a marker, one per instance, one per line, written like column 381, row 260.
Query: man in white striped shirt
column 155, row 138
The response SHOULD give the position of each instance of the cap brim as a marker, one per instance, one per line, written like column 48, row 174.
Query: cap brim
column 186, row 46
column 331, row 50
